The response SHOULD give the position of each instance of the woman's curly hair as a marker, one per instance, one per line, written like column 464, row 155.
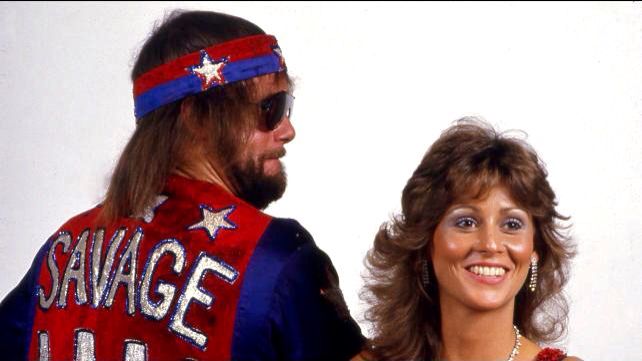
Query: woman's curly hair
column 468, row 159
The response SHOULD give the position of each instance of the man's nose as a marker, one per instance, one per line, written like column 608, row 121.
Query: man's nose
column 285, row 130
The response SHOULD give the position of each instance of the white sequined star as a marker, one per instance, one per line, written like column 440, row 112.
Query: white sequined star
column 209, row 71
column 278, row 52
column 213, row 220
column 149, row 212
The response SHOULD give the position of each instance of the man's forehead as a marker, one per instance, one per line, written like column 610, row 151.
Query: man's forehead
column 270, row 83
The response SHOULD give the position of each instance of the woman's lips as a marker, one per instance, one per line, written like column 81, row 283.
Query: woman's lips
column 487, row 274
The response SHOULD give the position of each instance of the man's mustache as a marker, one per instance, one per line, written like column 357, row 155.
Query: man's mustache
column 275, row 154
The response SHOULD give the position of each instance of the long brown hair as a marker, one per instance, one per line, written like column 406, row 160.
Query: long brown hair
column 468, row 159
column 161, row 138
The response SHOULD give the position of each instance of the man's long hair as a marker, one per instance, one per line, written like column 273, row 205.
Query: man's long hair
column 161, row 138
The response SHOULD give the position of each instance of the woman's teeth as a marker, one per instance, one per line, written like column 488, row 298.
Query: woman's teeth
column 487, row 271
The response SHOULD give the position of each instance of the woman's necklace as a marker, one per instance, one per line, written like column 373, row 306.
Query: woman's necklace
column 518, row 343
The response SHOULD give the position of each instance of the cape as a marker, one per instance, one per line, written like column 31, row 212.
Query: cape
column 201, row 275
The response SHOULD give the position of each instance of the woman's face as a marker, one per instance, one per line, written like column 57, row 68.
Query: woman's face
column 482, row 250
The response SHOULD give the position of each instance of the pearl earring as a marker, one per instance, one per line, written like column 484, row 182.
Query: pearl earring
column 533, row 283
column 425, row 274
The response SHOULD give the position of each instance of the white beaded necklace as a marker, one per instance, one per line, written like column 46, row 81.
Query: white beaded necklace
column 518, row 343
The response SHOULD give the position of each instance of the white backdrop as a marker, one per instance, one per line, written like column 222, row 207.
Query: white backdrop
column 376, row 84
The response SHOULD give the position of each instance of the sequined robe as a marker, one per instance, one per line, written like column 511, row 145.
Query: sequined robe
column 201, row 275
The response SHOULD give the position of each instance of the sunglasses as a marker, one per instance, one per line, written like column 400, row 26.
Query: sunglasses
column 275, row 108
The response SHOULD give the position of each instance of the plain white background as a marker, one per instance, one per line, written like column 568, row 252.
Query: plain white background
column 376, row 84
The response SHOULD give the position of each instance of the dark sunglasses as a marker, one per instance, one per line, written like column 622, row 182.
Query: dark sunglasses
column 275, row 108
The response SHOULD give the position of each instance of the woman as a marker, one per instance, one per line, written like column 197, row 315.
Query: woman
column 474, row 266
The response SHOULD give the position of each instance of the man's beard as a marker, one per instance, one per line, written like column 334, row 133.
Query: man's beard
column 253, row 185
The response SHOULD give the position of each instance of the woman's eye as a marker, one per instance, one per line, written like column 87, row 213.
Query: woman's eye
column 465, row 222
column 514, row 224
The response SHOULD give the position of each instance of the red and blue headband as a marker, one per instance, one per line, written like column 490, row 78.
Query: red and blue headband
column 199, row 71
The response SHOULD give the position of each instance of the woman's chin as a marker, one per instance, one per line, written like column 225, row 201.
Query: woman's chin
column 487, row 301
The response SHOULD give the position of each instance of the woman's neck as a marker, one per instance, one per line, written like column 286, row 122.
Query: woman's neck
column 469, row 334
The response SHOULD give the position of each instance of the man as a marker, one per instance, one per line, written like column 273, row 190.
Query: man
column 179, row 262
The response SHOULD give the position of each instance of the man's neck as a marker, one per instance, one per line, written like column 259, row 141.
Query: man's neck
column 205, row 172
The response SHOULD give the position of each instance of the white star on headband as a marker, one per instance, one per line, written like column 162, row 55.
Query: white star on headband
column 213, row 220
column 210, row 72
column 277, row 50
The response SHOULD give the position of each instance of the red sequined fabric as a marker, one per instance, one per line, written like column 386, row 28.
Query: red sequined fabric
column 550, row 354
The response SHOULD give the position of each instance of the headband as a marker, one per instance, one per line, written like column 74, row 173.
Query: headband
column 199, row 71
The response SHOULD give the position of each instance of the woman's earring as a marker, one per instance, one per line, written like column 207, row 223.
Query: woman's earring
column 425, row 273
column 533, row 283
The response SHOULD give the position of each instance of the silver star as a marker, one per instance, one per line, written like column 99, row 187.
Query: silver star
column 278, row 52
column 149, row 212
column 209, row 71
column 213, row 220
